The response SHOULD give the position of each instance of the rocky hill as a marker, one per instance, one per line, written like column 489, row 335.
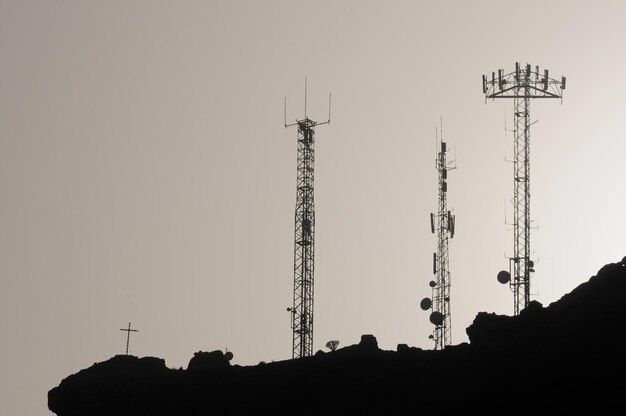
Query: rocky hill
column 566, row 357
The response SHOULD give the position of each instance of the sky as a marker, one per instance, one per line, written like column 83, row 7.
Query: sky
column 146, row 175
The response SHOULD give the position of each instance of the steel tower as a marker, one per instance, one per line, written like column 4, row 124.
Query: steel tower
column 304, row 245
column 521, row 85
column 443, row 224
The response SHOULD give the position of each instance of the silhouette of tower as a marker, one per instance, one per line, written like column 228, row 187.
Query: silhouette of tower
column 521, row 85
column 441, row 223
column 304, row 245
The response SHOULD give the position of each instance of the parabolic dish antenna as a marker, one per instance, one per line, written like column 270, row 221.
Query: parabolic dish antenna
column 436, row 318
column 504, row 277
column 426, row 303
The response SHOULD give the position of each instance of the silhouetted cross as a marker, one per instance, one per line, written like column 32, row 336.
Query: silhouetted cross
column 128, row 331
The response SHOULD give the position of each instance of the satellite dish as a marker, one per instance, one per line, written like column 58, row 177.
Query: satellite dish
column 228, row 356
column 436, row 318
column 426, row 303
column 432, row 283
column 504, row 277
column 332, row 345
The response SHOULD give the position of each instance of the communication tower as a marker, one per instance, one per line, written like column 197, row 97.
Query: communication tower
column 521, row 85
column 443, row 224
column 304, row 245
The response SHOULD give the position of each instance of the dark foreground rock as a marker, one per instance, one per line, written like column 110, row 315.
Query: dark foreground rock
column 567, row 357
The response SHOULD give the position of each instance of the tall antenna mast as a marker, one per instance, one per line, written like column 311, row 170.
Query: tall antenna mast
column 302, row 309
column 521, row 85
column 442, row 224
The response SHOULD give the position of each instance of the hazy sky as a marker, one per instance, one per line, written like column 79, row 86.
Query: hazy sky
column 145, row 174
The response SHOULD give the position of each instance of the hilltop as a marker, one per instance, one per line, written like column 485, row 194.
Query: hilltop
column 548, row 360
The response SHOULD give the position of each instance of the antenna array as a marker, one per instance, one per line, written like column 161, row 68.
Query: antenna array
column 521, row 85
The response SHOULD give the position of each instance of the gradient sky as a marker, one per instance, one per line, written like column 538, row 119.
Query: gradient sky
column 145, row 174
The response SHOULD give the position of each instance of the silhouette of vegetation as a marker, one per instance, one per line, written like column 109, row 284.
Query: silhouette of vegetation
column 332, row 345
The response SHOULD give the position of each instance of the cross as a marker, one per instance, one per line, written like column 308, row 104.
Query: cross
column 128, row 331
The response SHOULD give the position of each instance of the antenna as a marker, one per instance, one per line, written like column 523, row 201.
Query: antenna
column 302, row 309
column 443, row 224
column 329, row 96
column 525, row 85
column 128, row 331
column 436, row 141
column 505, row 129
column 432, row 223
column 441, row 128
